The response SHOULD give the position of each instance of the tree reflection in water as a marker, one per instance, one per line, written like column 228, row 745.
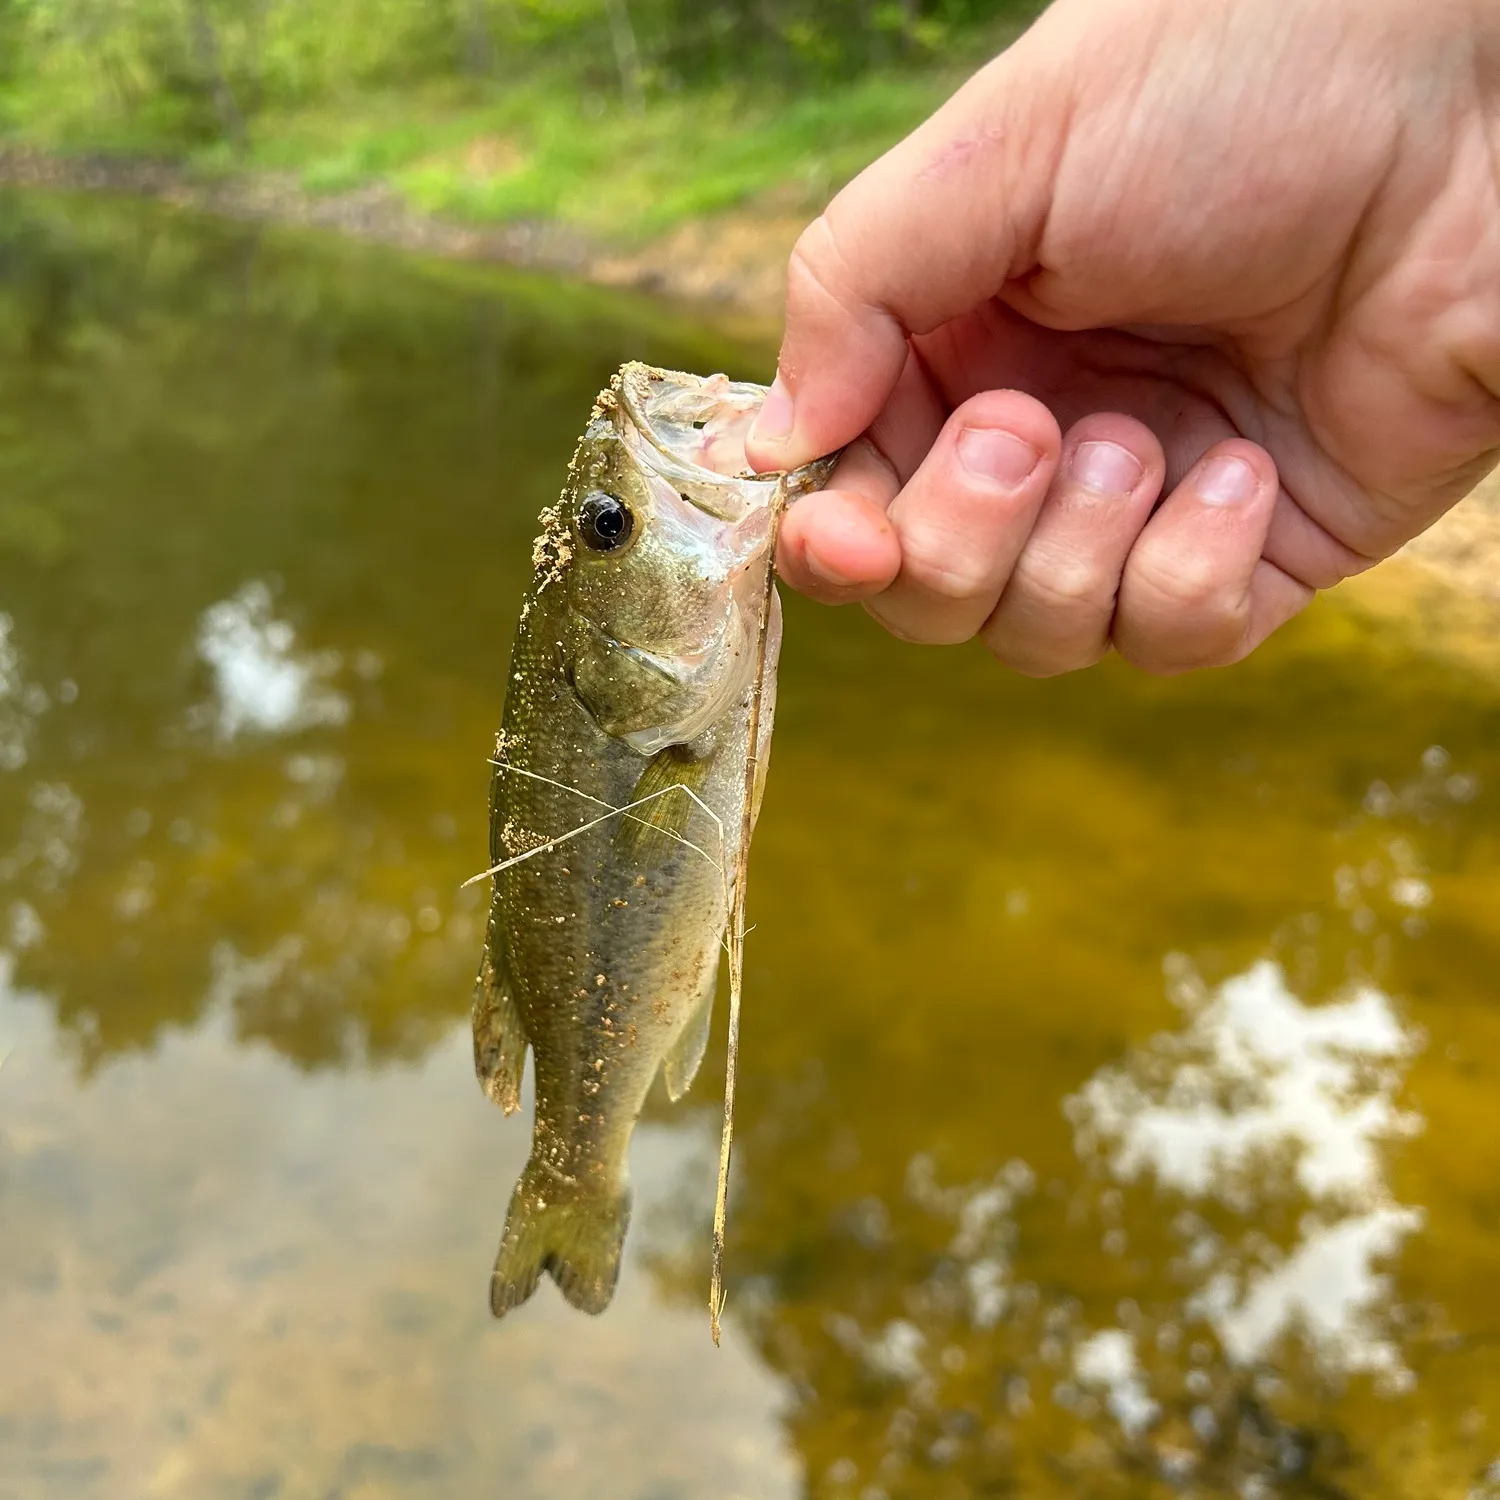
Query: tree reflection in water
column 1008, row 1216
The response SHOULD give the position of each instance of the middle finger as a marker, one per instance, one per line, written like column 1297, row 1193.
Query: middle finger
column 964, row 516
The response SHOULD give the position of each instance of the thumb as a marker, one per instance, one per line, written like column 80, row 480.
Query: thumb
column 932, row 229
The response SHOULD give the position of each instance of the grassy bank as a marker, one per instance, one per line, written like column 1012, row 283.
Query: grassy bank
column 617, row 175
column 614, row 173
column 498, row 111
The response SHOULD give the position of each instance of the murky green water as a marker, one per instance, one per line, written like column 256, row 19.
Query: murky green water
column 1119, row 1101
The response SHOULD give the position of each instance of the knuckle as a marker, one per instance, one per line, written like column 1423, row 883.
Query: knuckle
column 1038, row 642
column 1183, row 581
column 818, row 268
column 933, row 564
column 1066, row 584
column 1181, row 610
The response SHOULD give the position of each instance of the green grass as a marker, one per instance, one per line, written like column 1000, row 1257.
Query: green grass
column 543, row 150
column 631, row 177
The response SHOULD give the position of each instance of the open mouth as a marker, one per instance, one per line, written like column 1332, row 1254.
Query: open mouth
column 694, row 430
column 699, row 422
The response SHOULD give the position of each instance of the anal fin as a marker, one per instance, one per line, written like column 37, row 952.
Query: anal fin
column 500, row 1039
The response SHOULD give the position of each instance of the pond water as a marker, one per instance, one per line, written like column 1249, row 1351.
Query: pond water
column 1120, row 1094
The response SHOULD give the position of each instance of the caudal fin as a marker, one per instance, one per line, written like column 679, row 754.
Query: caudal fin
column 574, row 1237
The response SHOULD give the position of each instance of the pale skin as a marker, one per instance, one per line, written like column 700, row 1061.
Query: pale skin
column 1177, row 313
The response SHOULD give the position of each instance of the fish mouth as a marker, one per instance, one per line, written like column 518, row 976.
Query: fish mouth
column 691, row 431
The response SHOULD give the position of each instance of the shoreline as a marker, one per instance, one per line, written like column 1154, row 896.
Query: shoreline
column 732, row 263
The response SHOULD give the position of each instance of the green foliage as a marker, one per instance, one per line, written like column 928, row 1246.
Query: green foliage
column 612, row 113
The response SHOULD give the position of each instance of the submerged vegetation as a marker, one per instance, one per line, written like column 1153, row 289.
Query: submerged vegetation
column 620, row 116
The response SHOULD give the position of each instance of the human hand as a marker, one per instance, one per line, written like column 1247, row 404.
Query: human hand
column 1177, row 312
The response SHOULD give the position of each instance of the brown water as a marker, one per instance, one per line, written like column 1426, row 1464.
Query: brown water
column 1119, row 1108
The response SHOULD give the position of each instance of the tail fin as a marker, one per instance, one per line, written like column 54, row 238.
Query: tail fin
column 576, row 1237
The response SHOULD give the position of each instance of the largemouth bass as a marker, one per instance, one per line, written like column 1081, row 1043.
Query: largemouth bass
column 632, row 679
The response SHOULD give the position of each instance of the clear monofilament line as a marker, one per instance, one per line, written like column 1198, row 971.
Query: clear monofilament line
column 613, row 812
column 736, row 934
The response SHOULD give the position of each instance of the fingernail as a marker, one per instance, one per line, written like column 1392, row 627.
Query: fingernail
column 773, row 424
column 1105, row 468
column 1226, row 481
column 999, row 457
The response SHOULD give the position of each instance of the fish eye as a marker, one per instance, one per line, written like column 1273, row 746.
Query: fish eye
column 604, row 522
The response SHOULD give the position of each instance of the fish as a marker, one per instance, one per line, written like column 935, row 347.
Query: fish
column 633, row 685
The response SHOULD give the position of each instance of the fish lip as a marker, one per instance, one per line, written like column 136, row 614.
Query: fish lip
column 634, row 382
column 687, row 478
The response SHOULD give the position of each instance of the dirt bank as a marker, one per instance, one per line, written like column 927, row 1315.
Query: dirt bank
column 1464, row 547
column 1444, row 587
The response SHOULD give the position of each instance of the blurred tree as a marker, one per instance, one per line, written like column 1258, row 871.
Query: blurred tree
column 208, row 54
column 194, row 70
column 476, row 41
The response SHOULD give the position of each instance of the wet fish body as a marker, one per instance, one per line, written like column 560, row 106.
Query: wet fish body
column 632, row 680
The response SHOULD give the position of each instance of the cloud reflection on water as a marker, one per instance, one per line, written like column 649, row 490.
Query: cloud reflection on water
column 1254, row 1080
column 262, row 682
column 228, row 1274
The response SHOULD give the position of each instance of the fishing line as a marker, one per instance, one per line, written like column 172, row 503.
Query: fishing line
column 614, row 812
column 716, row 1292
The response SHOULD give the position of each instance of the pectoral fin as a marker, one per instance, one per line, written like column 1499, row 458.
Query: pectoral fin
column 680, row 1066
column 653, row 830
column 500, row 1039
